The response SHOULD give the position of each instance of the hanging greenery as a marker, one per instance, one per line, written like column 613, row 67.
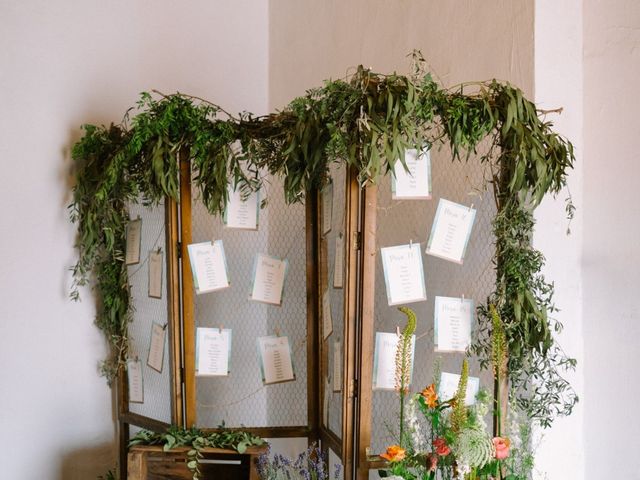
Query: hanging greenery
column 366, row 122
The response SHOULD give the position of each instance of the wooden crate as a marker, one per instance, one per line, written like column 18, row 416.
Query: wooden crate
column 153, row 463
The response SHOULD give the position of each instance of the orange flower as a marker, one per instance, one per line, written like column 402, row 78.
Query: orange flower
column 430, row 396
column 394, row 453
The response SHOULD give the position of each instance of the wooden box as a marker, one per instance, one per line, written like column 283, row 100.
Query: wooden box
column 153, row 463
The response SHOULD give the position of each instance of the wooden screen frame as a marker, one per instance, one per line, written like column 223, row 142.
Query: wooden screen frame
column 126, row 418
column 310, row 430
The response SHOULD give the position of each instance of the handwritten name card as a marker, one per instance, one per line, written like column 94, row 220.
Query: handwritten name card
column 213, row 351
column 242, row 210
column 403, row 274
column 414, row 184
column 275, row 360
column 268, row 279
column 209, row 266
column 450, row 231
column 453, row 318
column 384, row 360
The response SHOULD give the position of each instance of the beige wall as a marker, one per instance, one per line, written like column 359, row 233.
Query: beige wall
column 310, row 41
column 62, row 64
column 611, row 266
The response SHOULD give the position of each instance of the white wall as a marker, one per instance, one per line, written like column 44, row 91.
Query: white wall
column 62, row 64
column 611, row 266
column 558, row 83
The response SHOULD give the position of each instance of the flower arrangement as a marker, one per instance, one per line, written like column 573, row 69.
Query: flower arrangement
column 309, row 465
column 456, row 443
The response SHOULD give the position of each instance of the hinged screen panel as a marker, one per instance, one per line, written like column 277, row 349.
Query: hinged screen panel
column 241, row 399
column 400, row 222
column 146, row 311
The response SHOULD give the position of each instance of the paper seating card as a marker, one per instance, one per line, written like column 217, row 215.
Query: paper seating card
column 403, row 274
column 208, row 266
column 276, row 365
column 325, row 403
column 136, row 388
column 155, row 274
column 213, row 351
column 449, row 386
column 327, row 208
column 452, row 325
column 241, row 213
column 337, row 366
column 384, row 360
column 327, row 321
column 134, row 235
column 416, row 183
column 155, row 358
column 338, row 264
column 450, row 231
column 269, row 274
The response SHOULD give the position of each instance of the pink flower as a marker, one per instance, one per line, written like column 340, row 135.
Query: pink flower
column 501, row 445
column 442, row 448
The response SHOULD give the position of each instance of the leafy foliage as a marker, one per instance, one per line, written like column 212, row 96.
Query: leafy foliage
column 366, row 122
column 197, row 439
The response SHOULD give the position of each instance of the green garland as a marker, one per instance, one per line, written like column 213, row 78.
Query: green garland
column 365, row 122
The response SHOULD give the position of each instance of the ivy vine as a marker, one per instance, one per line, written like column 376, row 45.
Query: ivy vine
column 366, row 122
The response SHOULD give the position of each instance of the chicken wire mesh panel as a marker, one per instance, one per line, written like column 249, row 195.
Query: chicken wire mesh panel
column 333, row 345
column 241, row 399
column 147, row 311
column 398, row 223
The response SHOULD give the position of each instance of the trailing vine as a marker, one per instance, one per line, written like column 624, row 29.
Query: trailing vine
column 365, row 122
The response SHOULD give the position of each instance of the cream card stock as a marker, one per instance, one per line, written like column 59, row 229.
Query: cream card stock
column 338, row 264
column 155, row 274
column 134, row 235
column 156, row 347
column 327, row 208
column 136, row 388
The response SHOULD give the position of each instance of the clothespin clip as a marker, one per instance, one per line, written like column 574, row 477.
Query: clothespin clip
column 277, row 330
column 411, row 247
column 136, row 359
column 220, row 328
column 164, row 327
column 159, row 250
column 397, row 330
column 471, row 207
column 462, row 298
